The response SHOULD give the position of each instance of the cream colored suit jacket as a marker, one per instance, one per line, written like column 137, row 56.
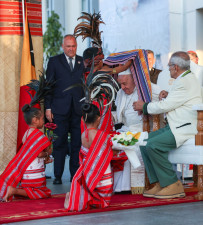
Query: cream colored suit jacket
column 184, row 93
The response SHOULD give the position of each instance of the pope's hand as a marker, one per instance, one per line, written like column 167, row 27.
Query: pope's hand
column 138, row 106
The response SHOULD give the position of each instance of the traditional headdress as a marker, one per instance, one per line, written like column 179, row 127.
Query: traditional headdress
column 99, row 86
column 90, row 28
column 42, row 88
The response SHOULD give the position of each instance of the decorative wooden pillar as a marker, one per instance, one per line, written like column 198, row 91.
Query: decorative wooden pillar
column 199, row 142
column 194, row 176
column 146, row 123
column 156, row 122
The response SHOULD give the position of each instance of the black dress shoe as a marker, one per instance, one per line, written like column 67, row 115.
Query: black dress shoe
column 57, row 181
column 48, row 177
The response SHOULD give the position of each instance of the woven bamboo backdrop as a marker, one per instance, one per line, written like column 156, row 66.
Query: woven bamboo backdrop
column 11, row 41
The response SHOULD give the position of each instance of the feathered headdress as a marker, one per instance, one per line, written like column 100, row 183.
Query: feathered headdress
column 42, row 88
column 98, row 87
column 90, row 28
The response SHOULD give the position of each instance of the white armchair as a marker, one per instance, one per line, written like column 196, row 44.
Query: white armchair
column 191, row 152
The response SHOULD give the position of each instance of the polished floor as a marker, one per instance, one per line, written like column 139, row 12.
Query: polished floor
column 181, row 214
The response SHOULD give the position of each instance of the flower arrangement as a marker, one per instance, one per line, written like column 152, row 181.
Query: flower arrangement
column 127, row 138
column 49, row 132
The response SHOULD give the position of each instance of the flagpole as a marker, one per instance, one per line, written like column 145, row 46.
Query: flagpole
column 23, row 8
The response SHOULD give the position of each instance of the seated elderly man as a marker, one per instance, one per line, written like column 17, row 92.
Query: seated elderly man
column 132, row 121
column 182, row 125
column 165, row 80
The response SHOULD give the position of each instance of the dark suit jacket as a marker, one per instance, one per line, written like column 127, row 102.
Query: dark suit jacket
column 58, row 70
column 154, row 73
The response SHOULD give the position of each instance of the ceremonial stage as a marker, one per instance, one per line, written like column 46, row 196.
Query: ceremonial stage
column 124, row 209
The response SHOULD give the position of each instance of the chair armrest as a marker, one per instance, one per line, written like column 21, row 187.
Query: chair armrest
column 199, row 135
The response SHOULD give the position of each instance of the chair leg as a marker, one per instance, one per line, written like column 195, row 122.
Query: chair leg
column 195, row 175
column 199, row 195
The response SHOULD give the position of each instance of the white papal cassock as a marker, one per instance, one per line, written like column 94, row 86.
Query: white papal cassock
column 132, row 122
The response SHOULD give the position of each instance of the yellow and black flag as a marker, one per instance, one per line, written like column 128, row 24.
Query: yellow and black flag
column 27, row 73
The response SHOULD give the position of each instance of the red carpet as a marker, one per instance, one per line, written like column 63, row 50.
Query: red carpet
column 22, row 210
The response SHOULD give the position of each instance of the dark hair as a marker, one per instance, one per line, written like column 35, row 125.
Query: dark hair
column 90, row 113
column 91, row 52
column 30, row 112
column 150, row 52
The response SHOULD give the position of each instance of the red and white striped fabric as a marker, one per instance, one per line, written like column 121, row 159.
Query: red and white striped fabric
column 34, row 180
column 35, row 188
column 92, row 185
column 16, row 171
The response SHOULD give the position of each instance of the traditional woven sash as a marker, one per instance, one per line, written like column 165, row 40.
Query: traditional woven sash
column 139, row 70
column 34, row 144
column 97, row 160
column 90, row 172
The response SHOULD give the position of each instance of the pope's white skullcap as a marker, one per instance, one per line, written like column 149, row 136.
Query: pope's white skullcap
column 125, row 72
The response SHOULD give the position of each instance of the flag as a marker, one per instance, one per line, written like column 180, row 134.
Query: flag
column 27, row 73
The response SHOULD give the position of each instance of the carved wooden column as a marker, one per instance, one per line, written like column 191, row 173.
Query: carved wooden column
column 194, row 176
column 199, row 141
column 156, row 122
column 146, row 123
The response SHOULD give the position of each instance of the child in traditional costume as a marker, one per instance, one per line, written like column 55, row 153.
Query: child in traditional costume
column 27, row 166
column 92, row 185
column 89, row 27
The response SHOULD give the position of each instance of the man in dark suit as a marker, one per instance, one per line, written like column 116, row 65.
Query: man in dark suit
column 64, row 108
column 153, row 72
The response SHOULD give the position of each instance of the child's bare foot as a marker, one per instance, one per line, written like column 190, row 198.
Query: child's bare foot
column 66, row 200
column 10, row 192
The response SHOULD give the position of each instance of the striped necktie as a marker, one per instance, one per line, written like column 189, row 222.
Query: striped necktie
column 70, row 63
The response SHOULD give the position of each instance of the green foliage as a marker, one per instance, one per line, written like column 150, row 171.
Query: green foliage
column 52, row 38
column 125, row 142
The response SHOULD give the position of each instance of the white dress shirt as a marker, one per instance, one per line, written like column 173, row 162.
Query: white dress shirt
column 68, row 60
